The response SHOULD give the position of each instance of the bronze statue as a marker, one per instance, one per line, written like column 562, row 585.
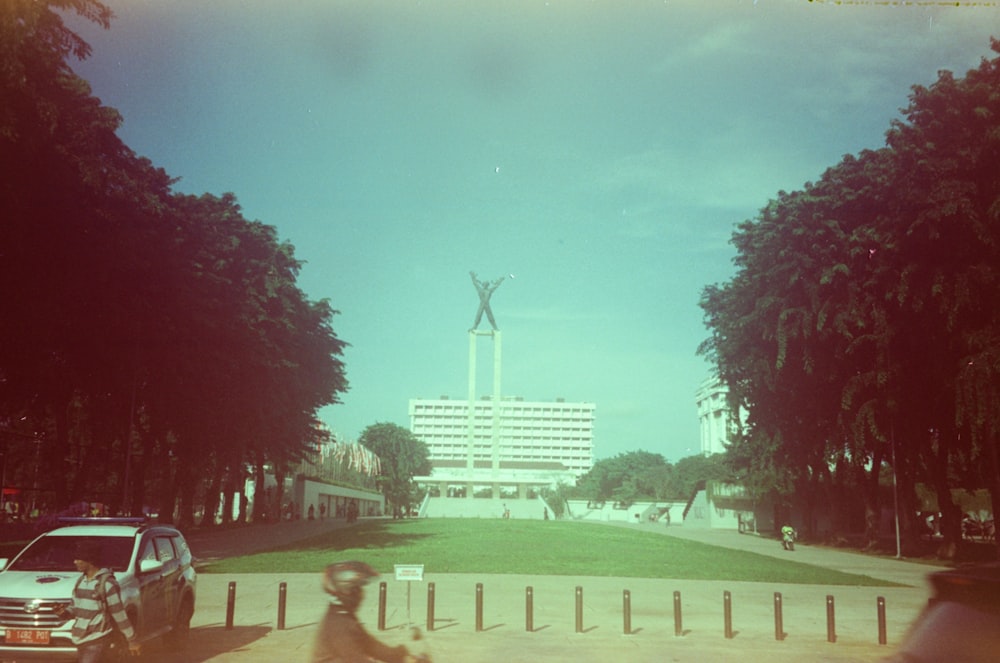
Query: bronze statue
column 485, row 290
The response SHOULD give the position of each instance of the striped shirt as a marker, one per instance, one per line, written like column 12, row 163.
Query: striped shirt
column 96, row 602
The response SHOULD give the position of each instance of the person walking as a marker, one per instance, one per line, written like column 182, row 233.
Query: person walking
column 341, row 637
column 100, row 624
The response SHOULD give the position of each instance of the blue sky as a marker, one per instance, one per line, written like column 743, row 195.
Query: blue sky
column 601, row 152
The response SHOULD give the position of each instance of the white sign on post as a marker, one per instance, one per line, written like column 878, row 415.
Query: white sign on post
column 410, row 572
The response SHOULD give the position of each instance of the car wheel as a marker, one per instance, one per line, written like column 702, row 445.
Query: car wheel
column 177, row 637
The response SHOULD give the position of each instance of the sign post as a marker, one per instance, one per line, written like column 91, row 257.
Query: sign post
column 409, row 573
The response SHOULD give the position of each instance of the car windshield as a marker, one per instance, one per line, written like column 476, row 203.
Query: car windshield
column 55, row 553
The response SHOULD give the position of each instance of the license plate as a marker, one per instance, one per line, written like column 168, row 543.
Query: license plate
column 24, row 636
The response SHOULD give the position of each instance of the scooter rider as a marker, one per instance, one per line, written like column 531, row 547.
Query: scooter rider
column 788, row 537
column 341, row 637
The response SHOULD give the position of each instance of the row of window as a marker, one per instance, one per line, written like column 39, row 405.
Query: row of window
column 533, row 442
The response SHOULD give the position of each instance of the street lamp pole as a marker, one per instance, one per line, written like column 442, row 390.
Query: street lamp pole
column 895, row 489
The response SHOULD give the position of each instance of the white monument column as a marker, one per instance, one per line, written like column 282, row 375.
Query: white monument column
column 497, row 352
column 472, row 401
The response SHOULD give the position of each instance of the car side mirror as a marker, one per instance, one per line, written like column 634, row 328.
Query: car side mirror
column 150, row 565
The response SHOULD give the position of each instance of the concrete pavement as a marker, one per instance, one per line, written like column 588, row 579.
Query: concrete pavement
column 504, row 636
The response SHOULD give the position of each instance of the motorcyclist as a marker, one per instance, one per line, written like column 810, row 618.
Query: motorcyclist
column 788, row 537
column 341, row 638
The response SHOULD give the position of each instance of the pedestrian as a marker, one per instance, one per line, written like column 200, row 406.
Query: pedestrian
column 341, row 637
column 101, row 626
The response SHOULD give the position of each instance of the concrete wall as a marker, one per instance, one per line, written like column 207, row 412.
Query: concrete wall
column 640, row 512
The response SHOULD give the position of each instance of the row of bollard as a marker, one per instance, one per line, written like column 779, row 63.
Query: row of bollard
column 529, row 611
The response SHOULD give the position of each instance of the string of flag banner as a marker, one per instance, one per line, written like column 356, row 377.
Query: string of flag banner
column 358, row 458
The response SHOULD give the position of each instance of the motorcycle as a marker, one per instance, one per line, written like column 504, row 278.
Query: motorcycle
column 788, row 537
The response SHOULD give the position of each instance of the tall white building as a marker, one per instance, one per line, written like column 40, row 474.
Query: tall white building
column 717, row 422
column 510, row 442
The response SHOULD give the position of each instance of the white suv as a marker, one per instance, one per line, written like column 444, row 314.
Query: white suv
column 152, row 564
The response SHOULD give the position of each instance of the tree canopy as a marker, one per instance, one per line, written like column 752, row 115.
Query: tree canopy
column 142, row 328
column 641, row 475
column 402, row 457
column 860, row 330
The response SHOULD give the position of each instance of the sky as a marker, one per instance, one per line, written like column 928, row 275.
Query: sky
column 596, row 154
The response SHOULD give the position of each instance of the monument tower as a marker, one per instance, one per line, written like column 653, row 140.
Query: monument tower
column 508, row 445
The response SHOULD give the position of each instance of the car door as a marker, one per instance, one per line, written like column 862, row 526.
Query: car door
column 170, row 576
column 152, row 590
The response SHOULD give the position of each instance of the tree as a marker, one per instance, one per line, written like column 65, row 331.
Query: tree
column 402, row 457
column 625, row 478
column 861, row 331
column 142, row 329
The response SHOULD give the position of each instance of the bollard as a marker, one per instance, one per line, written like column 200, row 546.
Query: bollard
column 678, row 628
column 881, row 620
column 831, row 628
column 230, row 606
column 779, row 622
column 727, row 614
column 381, row 606
column 627, row 611
column 282, row 601
column 479, row 607
column 430, row 607
column 529, row 609
column 579, row 609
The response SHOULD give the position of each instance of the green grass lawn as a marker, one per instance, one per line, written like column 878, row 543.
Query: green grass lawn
column 532, row 548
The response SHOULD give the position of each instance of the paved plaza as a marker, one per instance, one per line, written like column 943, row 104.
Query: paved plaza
column 554, row 635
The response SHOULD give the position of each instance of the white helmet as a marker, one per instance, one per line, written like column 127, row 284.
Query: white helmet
column 345, row 580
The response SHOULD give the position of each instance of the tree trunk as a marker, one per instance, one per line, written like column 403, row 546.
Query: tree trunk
column 137, row 494
column 870, row 491
column 186, row 482
column 259, row 494
column 212, row 499
column 994, row 481
column 279, row 491
column 951, row 514
column 63, row 490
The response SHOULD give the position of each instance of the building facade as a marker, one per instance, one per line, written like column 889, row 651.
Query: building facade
column 717, row 422
column 510, row 443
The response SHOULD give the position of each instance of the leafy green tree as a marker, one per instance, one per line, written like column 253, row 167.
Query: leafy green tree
column 626, row 478
column 153, row 345
column 689, row 472
column 860, row 331
column 401, row 457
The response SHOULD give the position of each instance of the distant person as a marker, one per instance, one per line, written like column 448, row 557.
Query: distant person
column 341, row 637
column 100, row 624
column 546, row 513
column 788, row 535
column 311, row 514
